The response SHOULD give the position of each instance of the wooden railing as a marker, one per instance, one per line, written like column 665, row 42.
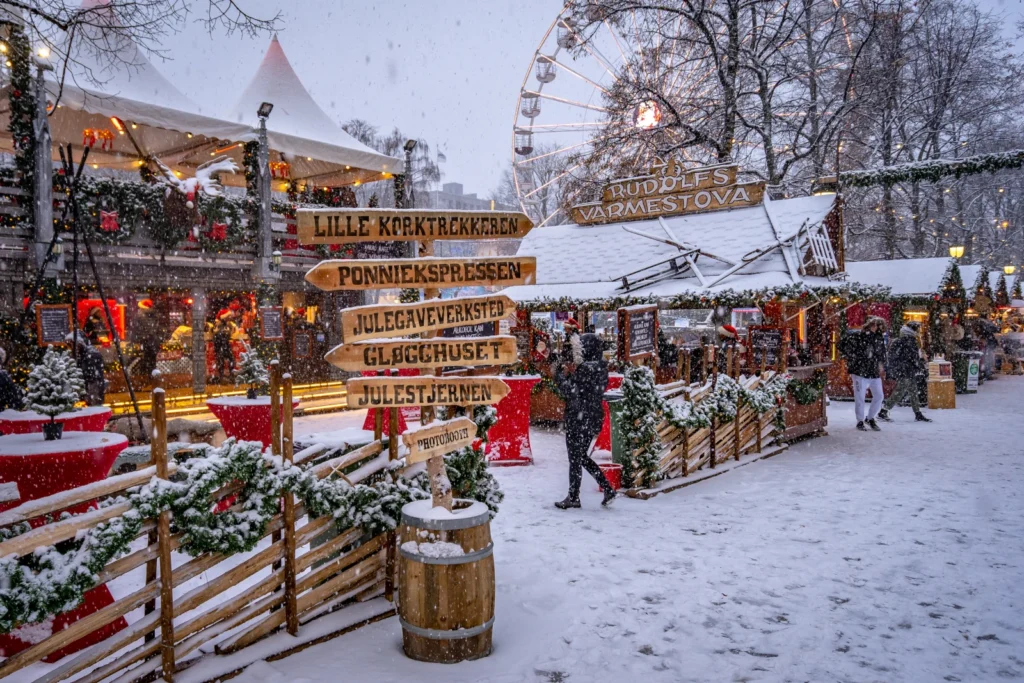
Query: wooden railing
column 305, row 580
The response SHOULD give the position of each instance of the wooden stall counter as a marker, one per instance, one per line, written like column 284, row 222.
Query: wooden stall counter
column 810, row 418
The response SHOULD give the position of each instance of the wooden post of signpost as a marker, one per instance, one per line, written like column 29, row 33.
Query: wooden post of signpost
column 163, row 530
column 275, row 430
column 288, row 452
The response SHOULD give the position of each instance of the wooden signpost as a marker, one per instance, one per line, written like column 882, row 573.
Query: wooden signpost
column 369, row 331
column 428, row 273
column 638, row 332
column 439, row 438
column 419, row 353
column 425, row 390
column 345, row 226
column 53, row 323
column 395, row 320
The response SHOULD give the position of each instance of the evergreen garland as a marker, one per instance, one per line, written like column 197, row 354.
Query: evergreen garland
column 226, row 211
column 933, row 170
column 21, row 93
column 806, row 392
column 54, row 579
column 134, row 203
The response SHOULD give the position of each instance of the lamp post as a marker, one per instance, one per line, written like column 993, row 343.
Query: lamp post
column 410, row 145
column 43, row 177
column 263, row 266
column 956, row 252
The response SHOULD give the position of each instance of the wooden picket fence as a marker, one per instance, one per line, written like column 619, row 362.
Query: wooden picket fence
column 685, row 451
column 305, row 580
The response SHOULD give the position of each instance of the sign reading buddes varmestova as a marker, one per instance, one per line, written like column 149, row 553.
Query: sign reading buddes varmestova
column 395, row 392
column 397, row 320
column 426, row 273
column 416, row 353
column 670, row 190
column 343, row 226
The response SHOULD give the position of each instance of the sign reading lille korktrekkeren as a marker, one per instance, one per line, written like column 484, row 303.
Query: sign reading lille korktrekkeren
column 429, row 273
column 343, row 226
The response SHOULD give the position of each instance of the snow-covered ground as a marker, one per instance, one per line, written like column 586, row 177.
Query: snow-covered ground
column 854, row 557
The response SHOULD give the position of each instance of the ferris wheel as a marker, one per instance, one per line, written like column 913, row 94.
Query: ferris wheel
column 563, row 108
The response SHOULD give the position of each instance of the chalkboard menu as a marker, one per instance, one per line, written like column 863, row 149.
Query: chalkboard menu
column 764, row 341
column 53, row 324
column 477, row 330
column 271, row 324
column 638, row 332
column 302, row 343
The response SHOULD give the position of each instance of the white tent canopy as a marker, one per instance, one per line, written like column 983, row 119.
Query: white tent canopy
column 298, row 128
column 162, row 122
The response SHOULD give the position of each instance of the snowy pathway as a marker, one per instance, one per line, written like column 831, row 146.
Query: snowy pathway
column 855, row 557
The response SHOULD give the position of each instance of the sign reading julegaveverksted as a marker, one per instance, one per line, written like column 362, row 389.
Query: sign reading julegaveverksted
column 416, row 353
column 395, row 392
column 670, row 190
column 342, row 226
column 397, row 320
column 423, row 273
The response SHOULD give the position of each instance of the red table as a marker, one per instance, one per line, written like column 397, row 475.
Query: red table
column 246, row 419
column 604, row 439
column 42, row 468
column 509, row 438
column 91, row 419
column 371, row 417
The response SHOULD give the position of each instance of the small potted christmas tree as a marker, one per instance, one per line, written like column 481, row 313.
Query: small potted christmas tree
column 253, row 372
column 54, row 386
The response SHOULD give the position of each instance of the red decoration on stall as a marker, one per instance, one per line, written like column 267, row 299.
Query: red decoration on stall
column 218, row 232
column 108, row 221
column 104, row 136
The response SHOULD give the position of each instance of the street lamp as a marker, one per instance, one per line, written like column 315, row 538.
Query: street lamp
column 275, row 259
column 264, row 245
column 410, row 145
column 264, row 110
column 956, row 252
column 1009, row 270
column 58, row 248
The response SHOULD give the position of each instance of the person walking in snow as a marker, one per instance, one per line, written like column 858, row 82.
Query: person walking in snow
column 10, row 393
column 583, row 390
column 905, row 366
column 572, row 349
column 864, row 351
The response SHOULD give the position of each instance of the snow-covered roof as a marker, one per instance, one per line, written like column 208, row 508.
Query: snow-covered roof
column 298, row 127
column 589, row 261
column 905, row 277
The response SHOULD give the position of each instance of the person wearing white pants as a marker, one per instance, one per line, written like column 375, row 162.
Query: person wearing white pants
column 864, row 351
column 861, row 385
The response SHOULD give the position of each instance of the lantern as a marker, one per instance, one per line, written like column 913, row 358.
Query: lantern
column 956, row 252
column 1009, row 270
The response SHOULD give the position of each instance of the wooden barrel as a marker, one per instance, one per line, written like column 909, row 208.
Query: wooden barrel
column 446, row 581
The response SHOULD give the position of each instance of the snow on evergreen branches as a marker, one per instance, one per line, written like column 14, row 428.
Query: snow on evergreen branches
column 252, row 372
column 55, row 385
column 933, row 170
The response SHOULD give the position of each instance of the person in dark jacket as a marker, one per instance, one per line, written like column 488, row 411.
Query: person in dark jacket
column 905, row 365
column 10, row 393
column 583, row 391
column 90, row 362
column 864, row 351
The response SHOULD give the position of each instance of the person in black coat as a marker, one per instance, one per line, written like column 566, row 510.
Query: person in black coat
column 904, row 366
column 583, row 391
column 10, row 393
column 864, row 351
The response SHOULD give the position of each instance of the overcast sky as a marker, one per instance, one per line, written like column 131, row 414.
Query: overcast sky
column 447, row 71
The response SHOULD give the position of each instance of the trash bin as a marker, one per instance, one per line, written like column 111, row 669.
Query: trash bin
column 619, row 449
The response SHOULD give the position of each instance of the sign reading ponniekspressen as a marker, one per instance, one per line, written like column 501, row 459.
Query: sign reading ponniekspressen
column 423, row 273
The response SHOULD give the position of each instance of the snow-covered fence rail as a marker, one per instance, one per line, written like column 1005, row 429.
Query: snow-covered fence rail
column 275, row 569
column 698, row 426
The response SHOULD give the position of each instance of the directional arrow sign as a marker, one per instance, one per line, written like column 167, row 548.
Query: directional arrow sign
column 419, row 353
column 345, row 226
column 438, row 438
column 391, row 392
column 397, row 320
column 354, row 274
